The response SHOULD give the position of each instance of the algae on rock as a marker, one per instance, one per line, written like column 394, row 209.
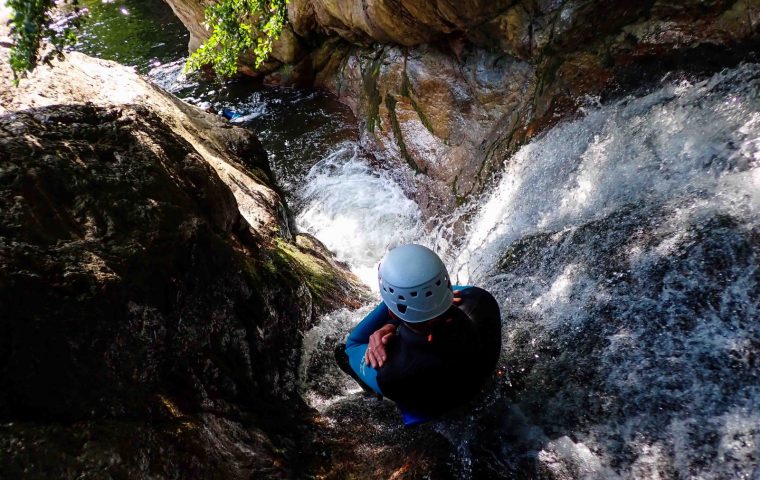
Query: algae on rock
column 151, row 324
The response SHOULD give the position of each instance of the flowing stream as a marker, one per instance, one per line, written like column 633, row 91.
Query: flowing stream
column 623, row 248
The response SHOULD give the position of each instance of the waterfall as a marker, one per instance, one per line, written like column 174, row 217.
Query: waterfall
column 355, row 211
column 624, row 250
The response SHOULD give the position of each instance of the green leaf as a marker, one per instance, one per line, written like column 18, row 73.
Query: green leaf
column 239, row 26
column 30, row 29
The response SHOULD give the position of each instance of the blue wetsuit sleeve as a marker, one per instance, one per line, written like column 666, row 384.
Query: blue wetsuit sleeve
column 357, row 342
column 365, row 371
column 371, row 323
column 358, row 339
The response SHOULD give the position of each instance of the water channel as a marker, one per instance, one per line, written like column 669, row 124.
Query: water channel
column 623, row 247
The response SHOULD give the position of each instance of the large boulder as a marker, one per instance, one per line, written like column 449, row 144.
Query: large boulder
column 151, row 289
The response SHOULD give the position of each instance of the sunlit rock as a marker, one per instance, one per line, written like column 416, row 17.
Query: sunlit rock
column 152, row 291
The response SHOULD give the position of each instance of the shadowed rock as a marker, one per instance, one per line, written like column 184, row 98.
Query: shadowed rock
column 151, row 289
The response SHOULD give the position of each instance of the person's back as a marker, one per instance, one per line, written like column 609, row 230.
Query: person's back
column 425, row 347
column 428, row 373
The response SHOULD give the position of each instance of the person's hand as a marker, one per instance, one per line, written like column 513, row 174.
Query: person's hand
column 457, row 298
column 376, row 355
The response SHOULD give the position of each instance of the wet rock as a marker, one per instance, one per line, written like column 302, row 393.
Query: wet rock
column 132, row 288
column 152, row 291
column 371, row 442
column 427, row 108
column 454, row 88
column 288, row 49
column 402, row 23
column 469, row 90
column 191, row 13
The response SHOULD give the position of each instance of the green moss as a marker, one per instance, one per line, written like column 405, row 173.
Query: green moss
column 320, row 278
column 459, row 199
column 408, row 91
column 390, row 103
column 423, row 118
column 506, row 145
column 369, row 81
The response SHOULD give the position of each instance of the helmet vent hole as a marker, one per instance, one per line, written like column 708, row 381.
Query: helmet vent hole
column 385, row 288
column 428, row 293
column 414, row 294
column 401, row 297
column 390, row 289
column 401, row 308
column 438, row 283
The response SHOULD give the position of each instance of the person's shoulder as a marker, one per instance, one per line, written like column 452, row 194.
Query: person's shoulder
column 473, row 291
column 479, row 305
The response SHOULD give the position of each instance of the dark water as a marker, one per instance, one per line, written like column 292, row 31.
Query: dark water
column 297, row 127
column 137, row 33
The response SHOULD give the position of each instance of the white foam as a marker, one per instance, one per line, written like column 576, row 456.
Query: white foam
column 680, row 171
column 675, row 143
column 672, row 180
column 357, row 212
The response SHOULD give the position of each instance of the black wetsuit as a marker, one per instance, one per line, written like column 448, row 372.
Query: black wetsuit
column 428, row 374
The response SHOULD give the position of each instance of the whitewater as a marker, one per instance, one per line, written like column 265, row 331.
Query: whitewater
column 624, row 249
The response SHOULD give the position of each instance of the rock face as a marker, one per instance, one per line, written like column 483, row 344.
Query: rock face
column 464, row 87
column 429, row 108
column 392, row 21
column 151, row 292
column 453, row 88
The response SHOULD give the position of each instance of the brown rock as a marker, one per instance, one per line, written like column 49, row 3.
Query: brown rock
column 152, row 294
column 392, row 21
column 287, row 48
column 192, row 14
column 301, row 17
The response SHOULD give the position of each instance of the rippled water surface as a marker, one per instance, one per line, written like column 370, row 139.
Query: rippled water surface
column 137, row 33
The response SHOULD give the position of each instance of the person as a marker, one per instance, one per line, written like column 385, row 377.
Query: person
column 428, row 346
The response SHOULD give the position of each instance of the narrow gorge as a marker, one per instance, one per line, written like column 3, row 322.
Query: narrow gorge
column 173, row 283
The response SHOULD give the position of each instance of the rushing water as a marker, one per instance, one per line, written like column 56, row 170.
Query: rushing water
column 623, row 248
column 340, row 194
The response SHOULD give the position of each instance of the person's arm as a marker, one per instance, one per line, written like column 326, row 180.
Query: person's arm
column 357, row 344
column 376, row 319
column 375, row 331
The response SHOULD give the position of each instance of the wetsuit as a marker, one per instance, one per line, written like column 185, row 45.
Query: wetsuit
column 428, row 374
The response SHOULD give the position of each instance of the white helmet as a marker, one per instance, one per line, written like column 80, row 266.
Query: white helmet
column 414, row 283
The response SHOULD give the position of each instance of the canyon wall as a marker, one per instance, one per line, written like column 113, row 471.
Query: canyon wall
column 452, row 88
